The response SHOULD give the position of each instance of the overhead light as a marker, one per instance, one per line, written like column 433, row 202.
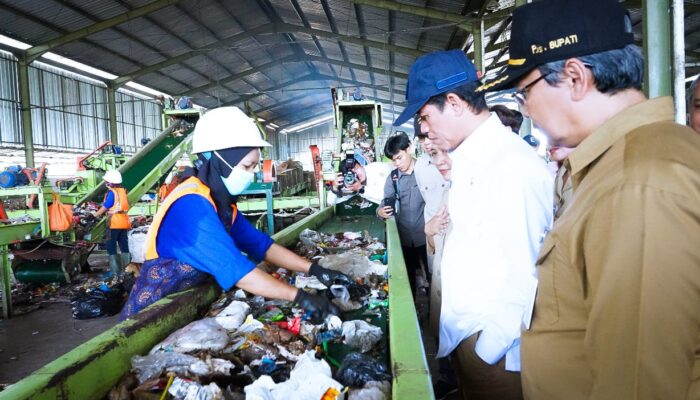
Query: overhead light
column 78, row 65
column 146, row 89
column 310, row 124
column 14, row 43
column 692, row 78
column 273, row 125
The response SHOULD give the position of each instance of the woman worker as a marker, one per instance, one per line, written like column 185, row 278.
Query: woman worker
column 116, row 205
column 198, row 232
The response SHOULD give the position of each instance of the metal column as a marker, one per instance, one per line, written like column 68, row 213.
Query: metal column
column 679, row 60
column 5, row 272
column 112, row 111
column 26, row 110
column 526, row 126
column 657, row 48
column 478, row 32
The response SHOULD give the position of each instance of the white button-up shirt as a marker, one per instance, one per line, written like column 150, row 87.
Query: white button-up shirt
column 500, row 206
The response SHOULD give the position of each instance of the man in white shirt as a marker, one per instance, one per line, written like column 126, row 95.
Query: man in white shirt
column 369, row 183
column 500, row 206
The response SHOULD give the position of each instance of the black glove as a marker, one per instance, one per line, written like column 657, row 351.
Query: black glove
column 329, row 277
column 316, row 307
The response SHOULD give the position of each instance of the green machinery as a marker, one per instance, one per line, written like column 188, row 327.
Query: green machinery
column 140, row 173
column 357, row 124
column 91, row 369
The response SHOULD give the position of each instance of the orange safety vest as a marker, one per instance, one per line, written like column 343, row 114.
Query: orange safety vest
column 191, row 185
column 117, row 214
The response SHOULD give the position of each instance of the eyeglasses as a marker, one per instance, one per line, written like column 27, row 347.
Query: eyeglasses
column 520, row 95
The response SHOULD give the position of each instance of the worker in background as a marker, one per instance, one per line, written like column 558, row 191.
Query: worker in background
column 368, row 181
column 500, row 206
column 694, row 105
column 430, row 182
column 198, row 232
column 617, row 312
column 436, row 229
column 403, row 199
column 116, row 205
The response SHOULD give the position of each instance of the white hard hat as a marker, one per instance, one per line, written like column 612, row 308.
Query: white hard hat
column 223, row 128
column 113, row 176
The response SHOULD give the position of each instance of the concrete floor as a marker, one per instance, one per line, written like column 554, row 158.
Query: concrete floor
column 30, row 341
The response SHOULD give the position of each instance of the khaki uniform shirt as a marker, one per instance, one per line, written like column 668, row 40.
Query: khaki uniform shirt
column 617, row 313
column 562, row 191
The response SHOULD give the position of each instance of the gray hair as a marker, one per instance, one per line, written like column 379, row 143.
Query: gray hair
column 693, row 87
column 613, row 70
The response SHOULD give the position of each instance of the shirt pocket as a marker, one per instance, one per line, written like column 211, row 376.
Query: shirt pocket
column 546, row 302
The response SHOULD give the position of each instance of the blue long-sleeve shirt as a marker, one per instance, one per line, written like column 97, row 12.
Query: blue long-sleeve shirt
column 191, row 232
column 109, row 200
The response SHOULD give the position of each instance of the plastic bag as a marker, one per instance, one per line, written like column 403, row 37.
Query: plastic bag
column 357, row 369
column 233, row 315
column 353, row 262
column 361, row 335
column 309, row 379
column 60, row 215
column 137, row 244
column 204, row 334
column 96, row 303
column 310, row 238
column 186, row 389
column 372, row 391
column 152, row 365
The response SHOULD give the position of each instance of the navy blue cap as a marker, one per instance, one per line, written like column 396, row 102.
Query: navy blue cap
column 553, row 30
column 432, row 74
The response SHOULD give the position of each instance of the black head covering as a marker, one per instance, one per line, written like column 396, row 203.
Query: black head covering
column 210, row 171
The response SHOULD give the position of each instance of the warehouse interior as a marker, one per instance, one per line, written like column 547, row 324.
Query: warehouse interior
column 110, row 84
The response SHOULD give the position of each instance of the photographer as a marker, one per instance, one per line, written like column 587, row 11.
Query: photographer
column 403, row 199
column 356, row 178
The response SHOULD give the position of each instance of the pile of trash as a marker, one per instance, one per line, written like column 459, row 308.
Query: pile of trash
column 250, row 347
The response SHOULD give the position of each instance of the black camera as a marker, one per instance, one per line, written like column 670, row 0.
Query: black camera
column 349, row 176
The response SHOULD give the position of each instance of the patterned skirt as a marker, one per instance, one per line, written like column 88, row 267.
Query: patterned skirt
column 159, row 278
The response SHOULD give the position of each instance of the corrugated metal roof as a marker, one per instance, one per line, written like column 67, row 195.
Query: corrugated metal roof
column 266, row 44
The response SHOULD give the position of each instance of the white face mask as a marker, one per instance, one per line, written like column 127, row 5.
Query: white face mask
column 238, row 180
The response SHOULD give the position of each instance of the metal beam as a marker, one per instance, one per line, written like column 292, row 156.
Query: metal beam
column 316, row 77
column 478, row 34
column 112, row 113
column 36, row 51
column 293, row 59
column 26, row 111
column 272, row 28
column 460, row 20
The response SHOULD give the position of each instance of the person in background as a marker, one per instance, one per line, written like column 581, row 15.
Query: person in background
column 617, row 312
column 436, row 228
column 431, row 184
column 500, row 206
column 694, row 105
column 403, row 199
column 509, row 117
column 563, row 189
column 116, row 206
column 198, row 232
column 368, row 183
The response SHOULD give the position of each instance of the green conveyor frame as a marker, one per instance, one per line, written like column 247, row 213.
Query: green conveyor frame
column 147, row 167
column 91, row 369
